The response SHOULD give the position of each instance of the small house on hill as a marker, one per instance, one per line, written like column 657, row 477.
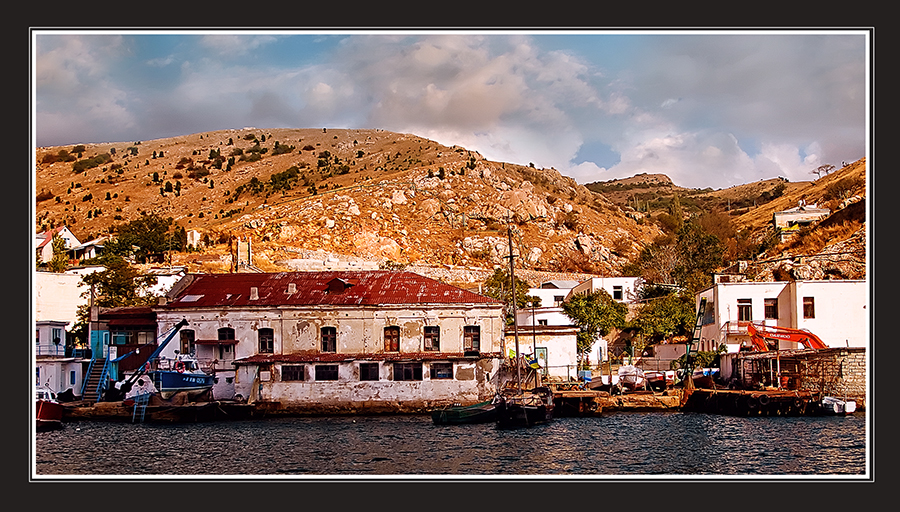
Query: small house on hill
column 43, row 242
column 339, row 340
column 788, row 222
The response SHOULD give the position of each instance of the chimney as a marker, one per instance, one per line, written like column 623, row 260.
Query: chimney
column 254, row 293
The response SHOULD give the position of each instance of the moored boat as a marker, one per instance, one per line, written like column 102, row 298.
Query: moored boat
column 181, row 374
column 526, row 408
column 457, row 414
column 837, row 407
column 48, row 410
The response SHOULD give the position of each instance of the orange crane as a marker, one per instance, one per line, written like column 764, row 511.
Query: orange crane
column 759, row 333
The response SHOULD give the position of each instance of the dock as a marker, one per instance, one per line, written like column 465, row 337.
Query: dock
column 771, row 402
column 578, row 402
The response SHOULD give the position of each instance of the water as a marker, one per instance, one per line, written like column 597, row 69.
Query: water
column 658, row 443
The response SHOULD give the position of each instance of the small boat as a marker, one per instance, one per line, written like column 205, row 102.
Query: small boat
column 181, row 374
column 659, row 380
column 48, row 410
column 704, row 377
column 526, row 408
column 837, row 407
column 457, row 414
column 631, row 377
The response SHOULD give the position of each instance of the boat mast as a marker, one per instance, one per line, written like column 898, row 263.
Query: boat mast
column 512, row 279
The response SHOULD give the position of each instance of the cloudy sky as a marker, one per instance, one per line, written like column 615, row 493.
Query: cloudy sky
column 708, row 108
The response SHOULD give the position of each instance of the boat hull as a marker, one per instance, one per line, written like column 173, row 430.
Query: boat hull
column 531, row 408
column 483, row 412
column 835, row 407
column 171, row 382
column 49, row 415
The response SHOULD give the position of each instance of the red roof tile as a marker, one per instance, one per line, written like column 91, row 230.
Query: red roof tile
column 336, row 288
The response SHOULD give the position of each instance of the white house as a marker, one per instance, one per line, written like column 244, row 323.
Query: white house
column 622, row 289
column 52, row 368
column 365, row 340
column 837, row 311
column 788, row 222
column 43, row 242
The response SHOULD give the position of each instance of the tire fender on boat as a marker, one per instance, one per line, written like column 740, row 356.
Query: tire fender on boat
column 751, row 402
column 763, row 400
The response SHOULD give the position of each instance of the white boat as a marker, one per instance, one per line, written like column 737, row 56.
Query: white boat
column 838, row 407
column 631, row 377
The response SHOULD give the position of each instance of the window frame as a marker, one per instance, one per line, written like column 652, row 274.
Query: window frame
column 328, row 339
column 745, row 310
column 394, row 343
column 437, row 371
column 365, row 371
column 293, row 370
column 407, row 372
column 431, row 338
column 225, row 333
column 266, row 335
column 809, row 307
column 770, row 309
column 472, row 337
column 187, row 339
column 323, row 372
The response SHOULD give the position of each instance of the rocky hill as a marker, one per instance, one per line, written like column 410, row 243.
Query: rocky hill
column 359, row 198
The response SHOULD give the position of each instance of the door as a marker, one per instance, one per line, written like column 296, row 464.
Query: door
column 541, row 354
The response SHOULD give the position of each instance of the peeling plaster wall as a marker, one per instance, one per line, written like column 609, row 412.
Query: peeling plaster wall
column 360, row 331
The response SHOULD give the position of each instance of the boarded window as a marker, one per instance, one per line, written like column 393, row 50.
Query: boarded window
column 771, row 308
column 187, row 341
column 432, row 337
column 368, row 371
column 809, row 307
column 326, row 372
column 329, row 339
column 472, row 337
column 293, row 372
column 266, row 341
column 392, row 339
column 407, row 371
column 441, row 370
column 745, row 310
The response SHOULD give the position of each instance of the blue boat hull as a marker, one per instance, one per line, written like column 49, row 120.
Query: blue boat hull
column 170, row 382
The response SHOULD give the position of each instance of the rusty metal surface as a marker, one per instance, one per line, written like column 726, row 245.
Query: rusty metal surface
column 335, row 288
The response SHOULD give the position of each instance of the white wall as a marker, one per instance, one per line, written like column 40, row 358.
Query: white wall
column 57, row 374
column 57, row 297
column 629, row 286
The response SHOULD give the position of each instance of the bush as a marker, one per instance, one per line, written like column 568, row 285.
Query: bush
column 89, row 163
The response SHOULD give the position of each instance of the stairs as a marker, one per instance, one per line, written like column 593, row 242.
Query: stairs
column 93, row 381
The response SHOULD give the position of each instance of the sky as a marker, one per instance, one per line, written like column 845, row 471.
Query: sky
column 707, row 108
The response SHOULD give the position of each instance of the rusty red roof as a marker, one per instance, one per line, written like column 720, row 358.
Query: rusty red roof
column 334, row 288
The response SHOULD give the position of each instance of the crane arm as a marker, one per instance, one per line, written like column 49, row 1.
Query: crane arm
column 759, row 334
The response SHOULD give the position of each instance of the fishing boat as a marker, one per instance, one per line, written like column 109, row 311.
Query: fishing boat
column 182, row 374
column 48, row 410
column 458, row 414
column 705, row 377
column 525, row 409
column 517, row 407
column 631, row 378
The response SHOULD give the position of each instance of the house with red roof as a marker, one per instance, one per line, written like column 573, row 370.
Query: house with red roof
column 43, row 242
column 337, row 341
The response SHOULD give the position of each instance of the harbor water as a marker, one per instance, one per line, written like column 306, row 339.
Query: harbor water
column 348, row 447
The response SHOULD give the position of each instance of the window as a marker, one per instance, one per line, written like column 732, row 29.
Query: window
column 441, row 370
column 187, row 341
column 617, row 293
column 558, row 300
column 432, row 337
column 771, row 308
column 745, row 310
column 71, row 377
column 292, row 372
column 392, row 339
column 407, row 371
column 225, row 352
column 368, row 371
column 37, row 336
column 329, row 340
column 327, row 372
column 809, row 307
column 472, row 337
column 226, row 333
column 542, row 322
column 57, row 336
column 266, row 340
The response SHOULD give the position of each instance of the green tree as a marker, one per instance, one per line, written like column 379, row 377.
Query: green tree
column 59, row 262
column 146, row 235
column 596, row 314
column 498, row 286
column 663, row 316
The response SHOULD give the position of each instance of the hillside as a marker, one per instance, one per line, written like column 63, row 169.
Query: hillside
column 363, row 196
